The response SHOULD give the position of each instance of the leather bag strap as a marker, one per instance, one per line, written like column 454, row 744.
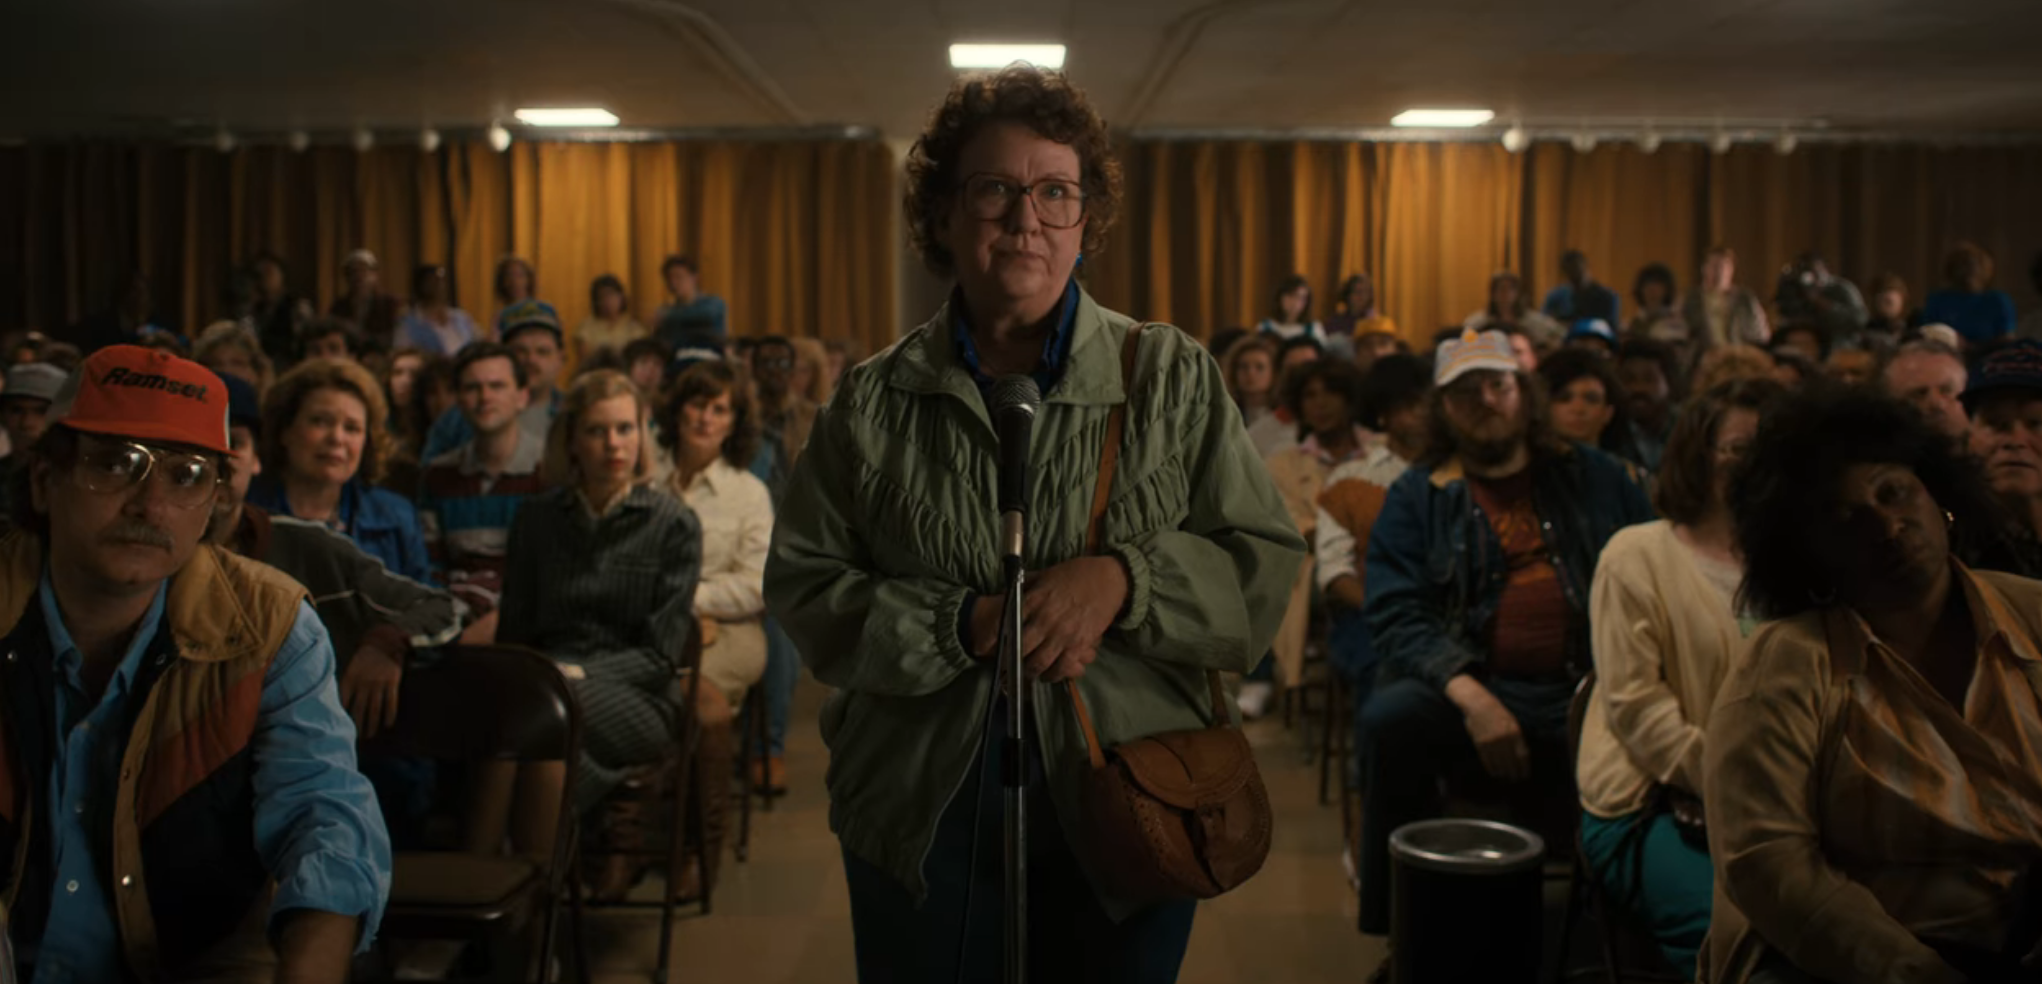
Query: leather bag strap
column 1109, row 462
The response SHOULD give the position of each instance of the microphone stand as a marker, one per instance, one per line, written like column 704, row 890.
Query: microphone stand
column 1014, row 757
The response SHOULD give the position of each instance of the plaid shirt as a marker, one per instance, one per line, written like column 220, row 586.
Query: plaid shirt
column 1854, row 813
column 466, row 514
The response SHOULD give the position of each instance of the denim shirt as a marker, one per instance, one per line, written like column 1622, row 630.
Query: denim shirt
column 384, row 524
column 1436, row 569
column 317, row 826
column 1056, row 349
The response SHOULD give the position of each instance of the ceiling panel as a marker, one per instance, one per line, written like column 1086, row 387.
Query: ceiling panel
column 105, row 66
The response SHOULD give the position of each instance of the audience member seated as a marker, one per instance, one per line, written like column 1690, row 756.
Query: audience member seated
column 709, row 430
column 1853, row 364
column 331, row 340
column 1889, row 317
column 1393, row 400
column 601, row 578
column 531, row 330
column 1807, row 291
column 1587, row 402
column 230, row 349
column 1658, row 316
column 1873, row 764
column 1665, row 626
column 1507, row 309
column 432, row 323
column 1729, row 363
column 610, row 328
column 645, row 361
column 514, row 283
column 2005, row 402
column 1967, row 302
column 428, row 385
column 1792, row 369
column 689, row 317
column 1650, row 377
column 24, row 415
column 468, row 497
column 362, row 303
column 1930, row 376
column 1290, row 313
column 810, row 378
column 1324, row 397
column 275, row 313
column 1721, row 312
column 377, row 619
column 1248, row 367
column 785, row 416
column 1489, row 653
column 1580, row 297
column 1372, row 345
column 322, row 446
column 1360, row 316
column 261, row 844
column 1593, row 335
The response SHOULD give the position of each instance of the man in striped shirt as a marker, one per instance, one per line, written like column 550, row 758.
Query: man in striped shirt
column 468, row 496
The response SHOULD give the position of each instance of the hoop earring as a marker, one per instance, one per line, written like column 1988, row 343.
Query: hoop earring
column 1949, row 519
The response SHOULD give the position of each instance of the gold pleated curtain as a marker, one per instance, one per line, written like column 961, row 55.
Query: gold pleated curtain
column 1209, row 229
column 797, row 236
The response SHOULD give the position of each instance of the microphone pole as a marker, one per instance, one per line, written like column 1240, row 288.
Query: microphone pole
column 1014, row 401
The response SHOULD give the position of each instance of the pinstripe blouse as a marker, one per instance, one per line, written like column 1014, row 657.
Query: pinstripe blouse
column 1854, row 812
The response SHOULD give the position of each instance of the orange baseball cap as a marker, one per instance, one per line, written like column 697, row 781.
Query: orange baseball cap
column 145, row 394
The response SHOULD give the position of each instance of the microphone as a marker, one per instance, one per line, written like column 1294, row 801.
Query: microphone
column 1013, row 402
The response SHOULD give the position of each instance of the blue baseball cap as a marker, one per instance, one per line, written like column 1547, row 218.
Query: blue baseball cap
column 2015, row 366
column 1593, row 328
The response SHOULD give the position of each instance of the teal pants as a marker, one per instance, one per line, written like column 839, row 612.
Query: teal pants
column 1671, row 901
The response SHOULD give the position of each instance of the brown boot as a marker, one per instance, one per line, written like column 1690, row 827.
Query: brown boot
column 769, row 776
column 623, row 830
column 710, row 781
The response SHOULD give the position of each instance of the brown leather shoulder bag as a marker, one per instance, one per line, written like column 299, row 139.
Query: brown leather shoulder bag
column 1176, row 815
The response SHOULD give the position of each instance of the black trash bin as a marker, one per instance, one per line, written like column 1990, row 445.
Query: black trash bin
column 1466, row 903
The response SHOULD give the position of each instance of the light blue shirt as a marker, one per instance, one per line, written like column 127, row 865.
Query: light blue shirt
column 317, row 826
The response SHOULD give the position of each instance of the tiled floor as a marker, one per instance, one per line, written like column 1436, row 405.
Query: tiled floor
column 784, row 917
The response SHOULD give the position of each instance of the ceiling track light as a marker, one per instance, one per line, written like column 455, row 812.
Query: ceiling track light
column 1515, row 139
column 1648, row 142
column 1785, row 143
column 499, row 138
column 1720, row 143
column 298, row 141
column 223, row 140
column 1584, row 142
column 428, row 140
column 363, row 140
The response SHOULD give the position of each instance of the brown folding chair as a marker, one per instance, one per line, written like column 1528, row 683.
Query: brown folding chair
column 668, row 784
column 478, row 704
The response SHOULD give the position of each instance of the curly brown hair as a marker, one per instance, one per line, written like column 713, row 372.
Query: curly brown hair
column 1043, row 101
column 287, row 396
column 711, row 380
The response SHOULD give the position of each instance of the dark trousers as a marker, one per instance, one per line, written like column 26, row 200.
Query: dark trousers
column 1071, row 939
column 1413, row 737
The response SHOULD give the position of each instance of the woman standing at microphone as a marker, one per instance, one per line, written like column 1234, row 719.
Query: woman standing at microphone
column 886, row 558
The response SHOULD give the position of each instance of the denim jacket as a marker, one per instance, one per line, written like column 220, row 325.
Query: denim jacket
column 1436, row 568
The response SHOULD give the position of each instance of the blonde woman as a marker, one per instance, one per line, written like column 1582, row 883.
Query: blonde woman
column 812, row 379
column 231, row 349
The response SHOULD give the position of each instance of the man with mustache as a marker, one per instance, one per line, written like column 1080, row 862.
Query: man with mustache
column 2005, row 403
column 182, row 798
column 1477, row 597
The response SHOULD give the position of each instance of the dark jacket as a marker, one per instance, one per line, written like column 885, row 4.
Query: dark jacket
column 1436, row 569
column 182, row 853
column 361, row 601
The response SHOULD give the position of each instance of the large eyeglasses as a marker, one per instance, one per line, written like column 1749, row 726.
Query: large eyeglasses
column 187, row 480
column 1059, row 204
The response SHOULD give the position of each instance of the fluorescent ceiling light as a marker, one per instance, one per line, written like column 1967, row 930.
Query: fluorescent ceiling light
column 1443, row 117
column 581, row 116
column 1003, row 55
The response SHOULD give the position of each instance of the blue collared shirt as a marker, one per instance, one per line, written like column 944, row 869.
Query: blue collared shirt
column 1056, row 349
column 317, row 826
